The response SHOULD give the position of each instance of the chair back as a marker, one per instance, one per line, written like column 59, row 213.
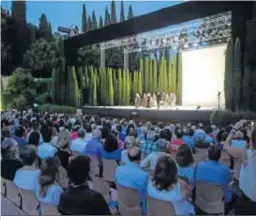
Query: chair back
column 128, row 201
column 109, row 169
column 30, row 204
column 210, row 198
column 156, row 207
column 3, row 187
column 50, row 210
column 94, row 165
column 12, row 193
column 102, row 186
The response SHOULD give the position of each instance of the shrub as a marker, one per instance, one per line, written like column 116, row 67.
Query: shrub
column 43, row 98
column 225, row 117
column 57, row 109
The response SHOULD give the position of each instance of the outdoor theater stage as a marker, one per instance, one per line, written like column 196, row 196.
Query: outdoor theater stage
column 175, row 114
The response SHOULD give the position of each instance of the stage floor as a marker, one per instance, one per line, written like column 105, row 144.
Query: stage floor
column 174, row 114
column 130, row 107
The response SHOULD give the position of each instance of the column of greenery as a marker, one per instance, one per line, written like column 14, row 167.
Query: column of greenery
column 146, row 75
column 228, row 74
column 115, row 88
column 90, row 86
column 154, row 81
column 53, row 86
column 140, row 81
column 165, row 80
column 150, row 75
column 173, row 74
column 94, row 97
column 179, row 79
column 237, row 76
column 170, row 66
column 128, row 98
column 161, row 76
column 119, row 87
column 124, row 88
column 141, row 69
column 110, row 87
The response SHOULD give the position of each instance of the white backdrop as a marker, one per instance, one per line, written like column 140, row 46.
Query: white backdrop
column 203, row 76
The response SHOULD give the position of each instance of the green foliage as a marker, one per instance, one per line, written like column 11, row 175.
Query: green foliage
column 101, row 22
column 113, row 12
column 57, row 109
column 154, row 81
column 146, row 75
column 237, row 75
column 89, row 56
column 179, row 83
column 21, row 88
column 130, row 13
column 43, row 98
column 228, row 80
column 94, row 99
column 120, row 86
column 84, row 19
column 122, row 16
column 90, row 26
column 94, row 21
column 44, row 28
column 42, row 56
column 110, row 88
column 107, row 17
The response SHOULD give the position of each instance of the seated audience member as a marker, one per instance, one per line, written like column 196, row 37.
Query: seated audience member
column 152, row 158
column 208, row 138
column 166, row 134
column 149, row 145
column 165, row 185
column 142, row 133
column 19, row 136
column 48, row 190
column 74, row 135
column 46, row 150
column 78, row 145
column 34, row 138
column 131, row 175
column 35, row 127
column 186, row 164
column 27, row 177
column 94, row 146
column 63, row 136
column 79, row 199
column 187, row 139
column 111, row 150
column 88, row 134
column 213, row 172
column 5, row 133
column 129, row 143
column 247, row 182
column 10, row 162
column 176, row 143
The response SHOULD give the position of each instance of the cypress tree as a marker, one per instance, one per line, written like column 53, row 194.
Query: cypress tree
column 146, row 75
column 122, row 16
column 130, row 13
column 107, row 17
column 113, row 12
column 50, row 30
column 90, row 25
column 124, row 93
column 101, row 22
column 94, row 76
column 140, row 81
column 128, row 98
column 115, row 87
column 151, row 77
column 165, row 80
column 160, row 79
column 237, row 75
column 76, row 89
column 141, row 68
column 179, row 79
column 120, row 87
column 110, row 88
column 94, row 21
column 174, row 74
column 53, row 86
column 169, row 77
column 91, row 86
column 84, row 19
column 43, row 27
column 154, row 81
column 228, row 75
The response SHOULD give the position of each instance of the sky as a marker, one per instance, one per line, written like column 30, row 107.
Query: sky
column 67, row 13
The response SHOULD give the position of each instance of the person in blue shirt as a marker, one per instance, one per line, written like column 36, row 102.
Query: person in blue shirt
column 78, row 145
column 46, row 150
column 121, row 134
column 111, row 150
column 186, row 164
column 212, row 171
column 165, row 185
column 187, row 139
column 19, row 136
column 133, row 176
column 27, row 177
column 48, row 190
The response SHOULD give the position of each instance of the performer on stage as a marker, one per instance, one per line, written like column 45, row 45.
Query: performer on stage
column 137, row 100
column 148, row 100
column 158, row 99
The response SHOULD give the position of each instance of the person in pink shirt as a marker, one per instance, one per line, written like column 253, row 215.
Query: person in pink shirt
column 74, row 135
column 176, row 143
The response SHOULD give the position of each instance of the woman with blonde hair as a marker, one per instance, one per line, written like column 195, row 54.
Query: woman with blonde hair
column 48, row 190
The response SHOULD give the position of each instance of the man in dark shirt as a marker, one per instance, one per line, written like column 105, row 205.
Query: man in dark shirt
column 79, row 199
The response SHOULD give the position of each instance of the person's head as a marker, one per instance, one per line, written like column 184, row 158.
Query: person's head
column 96, row 133
column 5, row 133
column 19, row 131
column 130, row 142
column 208, row 130
column 111, row 143
column 134, row 154
column 9, row 149
column 35, row 126
column 119, row 128
column 179, row 133
column 150, row 136
column 49, row 172
column 74, row 170
column 105, row 132
column 28, row 155
column 214, row 153
column 224, row 136
column 186, row 131
column 184, row 157
column 166, row 173
column 34, row 138
column 161, row 145
column 46, row 132
column 81, row 133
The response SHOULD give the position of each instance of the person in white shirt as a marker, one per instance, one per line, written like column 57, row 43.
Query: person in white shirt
column 246, row 204
column 78, row 145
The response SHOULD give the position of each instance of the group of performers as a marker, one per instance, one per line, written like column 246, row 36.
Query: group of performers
column 148, row 100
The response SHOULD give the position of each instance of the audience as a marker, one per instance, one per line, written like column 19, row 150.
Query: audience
column 27, row 177
column 18, row 136
column 149, row 145
column 78, row 145
column 10, row 162
column 34, row 138
column 165, row 185
column 177, row 142
column 111, row 150
column 79, row 199
column 131, row 175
